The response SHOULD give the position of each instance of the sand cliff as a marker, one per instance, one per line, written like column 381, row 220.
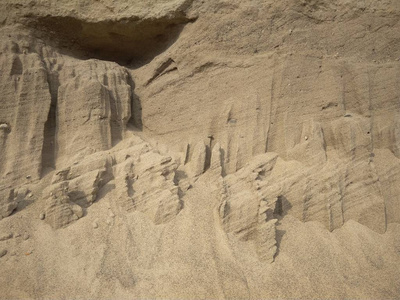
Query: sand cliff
column 200, row 149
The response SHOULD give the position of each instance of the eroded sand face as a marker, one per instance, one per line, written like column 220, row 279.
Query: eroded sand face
column 200, row 149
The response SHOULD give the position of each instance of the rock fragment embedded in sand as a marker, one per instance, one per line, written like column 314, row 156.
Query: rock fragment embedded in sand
column 95, row 225
column 4, row 126
column 8, row 202
column 3, row 252
column 6, row 236
column 78, row 211
column 42, row 216
column 26, row 236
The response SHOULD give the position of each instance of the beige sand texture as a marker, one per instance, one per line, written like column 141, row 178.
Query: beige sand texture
column 187, row 149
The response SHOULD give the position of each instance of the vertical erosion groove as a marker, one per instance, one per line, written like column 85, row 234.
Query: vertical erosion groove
column 50, row 127
column 136, row 106
column 115, row 121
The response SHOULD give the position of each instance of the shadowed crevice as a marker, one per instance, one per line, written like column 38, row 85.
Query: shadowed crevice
column 136, row 106
column 282, row 207
column 128, row 41
column 50, row 127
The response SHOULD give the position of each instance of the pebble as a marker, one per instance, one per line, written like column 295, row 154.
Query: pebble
column 95, row 225
column 26, row 236
column 28, row 176
column 42, row 216
column 6, row 236
column 3, row 252
column 306, row 138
